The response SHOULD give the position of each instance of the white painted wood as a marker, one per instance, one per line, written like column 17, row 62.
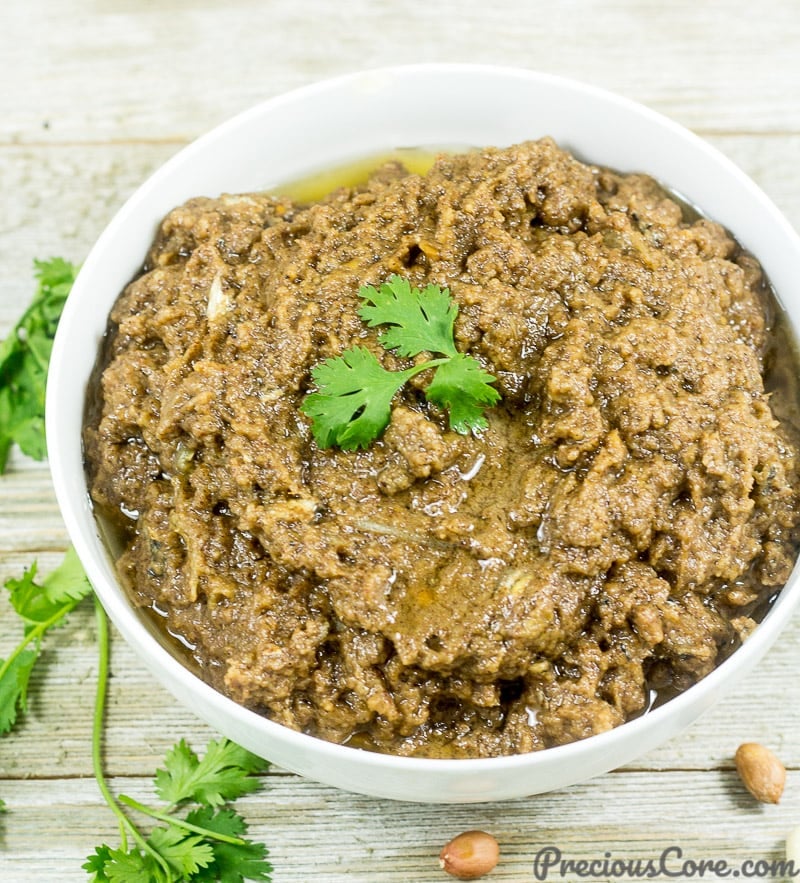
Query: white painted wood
column 316, row 833
column 94, row 95
column 724, row 64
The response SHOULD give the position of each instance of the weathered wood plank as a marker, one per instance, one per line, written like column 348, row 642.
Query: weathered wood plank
column 29, row 516
column 162, row 71
column 62, row 200
column 315, row 832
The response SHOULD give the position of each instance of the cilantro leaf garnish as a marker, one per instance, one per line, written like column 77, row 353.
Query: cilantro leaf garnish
column 207, row 844
column 462, row 387
column 41, row 606
column 36, row 603
column 352, row 404
column 222, row 775
column 14, row 687
column 185, row 853
column 24, row 357
column 231, row 864
column 98, row 863
column 419, row 319
column 24, row 360
column 117, row 865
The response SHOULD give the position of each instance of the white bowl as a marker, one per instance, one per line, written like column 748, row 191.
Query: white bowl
column 322, row 126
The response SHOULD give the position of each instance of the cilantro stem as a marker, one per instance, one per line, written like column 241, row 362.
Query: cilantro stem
column 408, row 373
column 179, row 823
column 423, row 366
column 99, row 715
column 36, row 633
column 125, row 824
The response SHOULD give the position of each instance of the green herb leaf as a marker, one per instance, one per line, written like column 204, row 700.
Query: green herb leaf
column 41, row 607
column 65, row 586
column 68, row 582
column 207, row 845
column 26, row 595
column 185, row 853
column 95, row 864
column 24, row 357
column 421, row 319
column 462, row 387
column 232, row 863
column 354, row 401
column 181, row 852
column 223, row 774
column 127, row 866
column 221, row 821
column 14, row 687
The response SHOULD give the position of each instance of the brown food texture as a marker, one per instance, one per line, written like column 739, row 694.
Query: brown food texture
column 606, row 541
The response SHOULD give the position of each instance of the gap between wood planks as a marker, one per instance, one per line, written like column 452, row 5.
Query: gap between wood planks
column 179, row 140
column 279, row 772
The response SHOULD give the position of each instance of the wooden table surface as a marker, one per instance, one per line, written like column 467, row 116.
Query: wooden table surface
column 94, row 95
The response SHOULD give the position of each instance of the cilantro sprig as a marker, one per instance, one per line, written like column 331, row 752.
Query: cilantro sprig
column 219, row 777
column 205, row 844
column 353, row 401
column 419, row 319
column 41, row 606
column 24, row 357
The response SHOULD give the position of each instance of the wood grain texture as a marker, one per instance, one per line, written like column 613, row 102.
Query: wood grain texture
column 316, row 833
column 96, row 95
column 158, row 70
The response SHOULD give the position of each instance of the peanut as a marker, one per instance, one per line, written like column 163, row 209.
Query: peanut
column 470, row 855
column 761, row 772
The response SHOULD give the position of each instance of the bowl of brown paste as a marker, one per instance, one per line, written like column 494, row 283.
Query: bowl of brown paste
column 451, row 473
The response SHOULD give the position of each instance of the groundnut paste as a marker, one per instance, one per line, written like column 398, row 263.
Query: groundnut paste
column 613, row 534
